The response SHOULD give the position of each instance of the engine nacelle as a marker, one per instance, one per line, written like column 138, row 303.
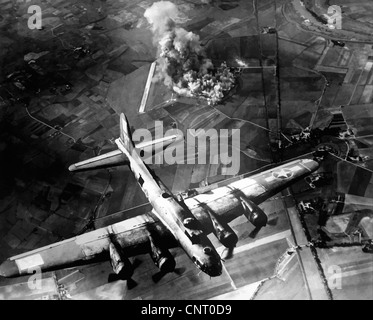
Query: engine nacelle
column 119, row 262
column 254, row 214
column 162, row 257
column 224, row 233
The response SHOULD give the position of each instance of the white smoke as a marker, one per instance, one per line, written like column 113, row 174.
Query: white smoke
column 182, row 63
column 160, row 14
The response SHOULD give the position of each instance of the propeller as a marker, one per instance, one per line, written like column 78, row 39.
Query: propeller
column 272, row 222
column 136, row 263
column 158, row 276
column 227, row 253
column 250, row 234
column 255, row 232
column 130, row 282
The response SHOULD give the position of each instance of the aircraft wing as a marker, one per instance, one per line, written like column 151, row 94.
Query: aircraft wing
column 132, row 235
column 242, row 195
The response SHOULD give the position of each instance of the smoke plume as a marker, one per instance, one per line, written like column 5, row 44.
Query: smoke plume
column 182, row 62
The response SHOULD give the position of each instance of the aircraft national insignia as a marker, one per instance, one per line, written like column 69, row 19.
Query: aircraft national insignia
column 283, row 174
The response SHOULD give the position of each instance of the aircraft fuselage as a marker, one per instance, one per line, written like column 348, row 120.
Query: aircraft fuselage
column 176, row 218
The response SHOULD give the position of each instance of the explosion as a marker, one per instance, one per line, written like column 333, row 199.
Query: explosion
column 183, row 65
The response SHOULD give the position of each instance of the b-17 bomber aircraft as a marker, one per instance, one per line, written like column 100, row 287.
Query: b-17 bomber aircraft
column 170, row 222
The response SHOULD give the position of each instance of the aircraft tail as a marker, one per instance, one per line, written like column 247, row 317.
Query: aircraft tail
column 125, row 143
column 126, row 146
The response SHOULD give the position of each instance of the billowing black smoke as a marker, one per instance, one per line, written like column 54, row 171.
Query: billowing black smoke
column 182, row 63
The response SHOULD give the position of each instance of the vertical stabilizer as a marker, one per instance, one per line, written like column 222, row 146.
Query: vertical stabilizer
column 125, row 136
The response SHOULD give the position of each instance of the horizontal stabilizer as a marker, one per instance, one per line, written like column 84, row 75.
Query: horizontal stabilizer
column 117, row 158
column 107, row 160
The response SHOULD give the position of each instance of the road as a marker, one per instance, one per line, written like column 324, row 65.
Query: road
column 310, row 269
column 295, row 13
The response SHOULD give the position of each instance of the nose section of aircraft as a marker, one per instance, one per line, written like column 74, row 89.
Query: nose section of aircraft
column 215, row 270
column 9, row 269
column 212, row 265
